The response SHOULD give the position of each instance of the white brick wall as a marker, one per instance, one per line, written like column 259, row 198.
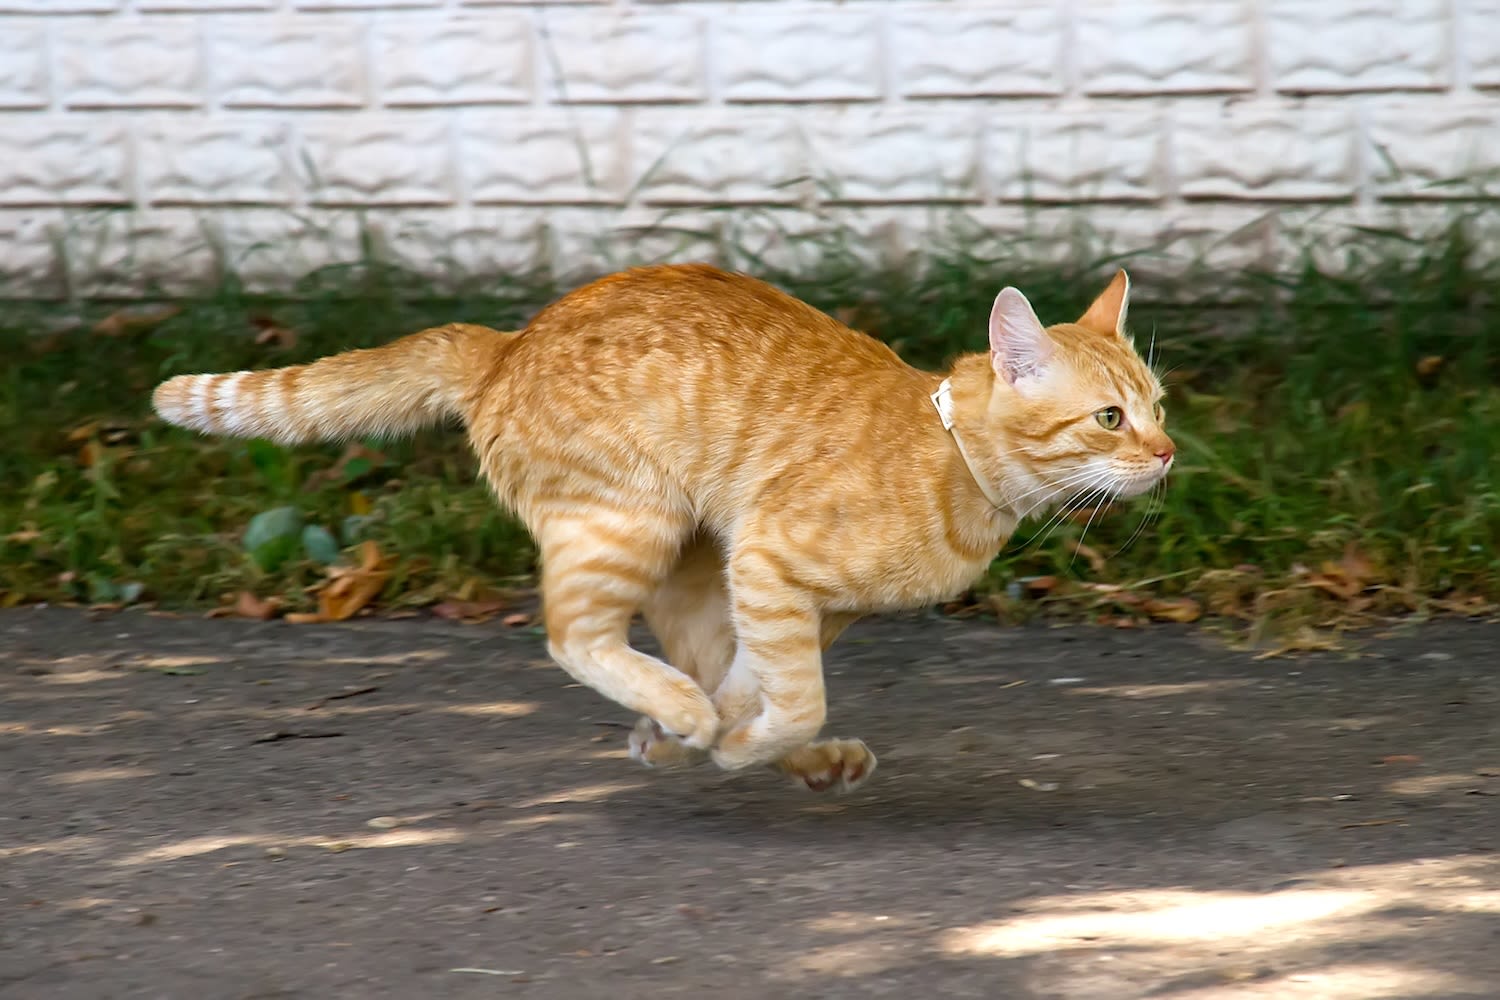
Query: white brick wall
column 168, row 140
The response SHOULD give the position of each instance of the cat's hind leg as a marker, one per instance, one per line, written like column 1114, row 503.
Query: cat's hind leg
column 599, row 566
column 689, row 615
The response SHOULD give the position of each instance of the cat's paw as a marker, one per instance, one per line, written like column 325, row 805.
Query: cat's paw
column 829, row 765
column 693, row 721
column 653, row 746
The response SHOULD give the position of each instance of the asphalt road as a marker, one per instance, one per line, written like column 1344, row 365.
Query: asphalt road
column 415, row 809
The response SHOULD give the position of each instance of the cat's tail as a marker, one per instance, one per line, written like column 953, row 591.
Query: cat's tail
column 387, row 391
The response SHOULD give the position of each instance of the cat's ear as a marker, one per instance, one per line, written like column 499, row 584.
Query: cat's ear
column 1107, row 314
column 1019, row 345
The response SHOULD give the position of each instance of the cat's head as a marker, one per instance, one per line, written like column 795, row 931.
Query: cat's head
column 1080, row 408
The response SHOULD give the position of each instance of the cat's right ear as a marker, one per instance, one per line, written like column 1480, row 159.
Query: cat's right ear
column 1019, row 345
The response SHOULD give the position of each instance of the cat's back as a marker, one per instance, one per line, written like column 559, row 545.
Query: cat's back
column 692, row 318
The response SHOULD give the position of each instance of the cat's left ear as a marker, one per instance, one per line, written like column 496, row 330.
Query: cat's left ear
column 1019, row 345
column 1107, row 314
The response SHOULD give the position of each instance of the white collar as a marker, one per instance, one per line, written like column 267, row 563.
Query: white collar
column 943, row 400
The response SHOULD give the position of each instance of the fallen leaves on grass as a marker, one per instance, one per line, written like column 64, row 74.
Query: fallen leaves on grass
column 1304, row 640
column 353, row 463
column 470, row 612
column 1040, row 586
column 271, row 333
column 133, row 319
column 349, row 589
column 1345, row 579
column 1095, row 559
column 247, row 605
column 1174, row 609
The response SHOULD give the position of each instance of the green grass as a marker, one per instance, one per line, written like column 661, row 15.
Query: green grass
column 1318, row 416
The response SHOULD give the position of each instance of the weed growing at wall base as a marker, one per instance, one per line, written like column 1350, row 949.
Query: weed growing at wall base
column 1336, row 432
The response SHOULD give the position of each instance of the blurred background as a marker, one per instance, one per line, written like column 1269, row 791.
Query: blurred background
column 167, row 143
column 1303, row 193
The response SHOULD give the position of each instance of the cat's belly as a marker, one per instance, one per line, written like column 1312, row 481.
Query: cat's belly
column 900, row 584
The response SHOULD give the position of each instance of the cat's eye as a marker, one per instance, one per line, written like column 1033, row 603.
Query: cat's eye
column 1110, row 418
column 1160, row 414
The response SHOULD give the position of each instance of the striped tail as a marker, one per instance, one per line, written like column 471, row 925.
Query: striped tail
column 387, row 391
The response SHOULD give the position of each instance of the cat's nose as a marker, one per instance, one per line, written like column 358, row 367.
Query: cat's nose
column 1166, row 454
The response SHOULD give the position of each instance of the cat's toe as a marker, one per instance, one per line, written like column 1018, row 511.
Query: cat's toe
column 829, row 765
column 652, row 746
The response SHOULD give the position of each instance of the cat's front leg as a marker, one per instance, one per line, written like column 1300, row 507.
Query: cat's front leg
column 772, row 701
column 829, row 765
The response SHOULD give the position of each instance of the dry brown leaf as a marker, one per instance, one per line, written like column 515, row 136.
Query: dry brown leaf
column 304, row 618
column 1304, row 640
column 351, row 588
column 1095, row 559
column 335, row 472
column 1401, row 758
column 132, row 319
column 247, row 605
column 24, row 536
column 1346, row 578
column 1174, row 609
column 1430, row 365
column 468, row 611
column 273, row 333
column 517, row 619
column 1041, row 585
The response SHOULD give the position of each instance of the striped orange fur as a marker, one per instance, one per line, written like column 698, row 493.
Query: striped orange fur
column 744, row 471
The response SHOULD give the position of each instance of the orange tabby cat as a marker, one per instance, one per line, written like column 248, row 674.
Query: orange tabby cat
column 743, row 470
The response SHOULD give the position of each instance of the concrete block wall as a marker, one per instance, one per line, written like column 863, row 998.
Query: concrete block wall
column 168, row 140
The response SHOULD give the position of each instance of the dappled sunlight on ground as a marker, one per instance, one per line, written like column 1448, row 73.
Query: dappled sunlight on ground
column 1156, row 917
column 505, row 709
column 195, row 846
column 174, row 662
column 83, row 776
column 81, row 677
column 1343, row 981
column 43, row 729
column 1434, row 784
column 61, row 845
column 405, row 659
column 1210, row 943
column 1161, row 690
column 580, row 793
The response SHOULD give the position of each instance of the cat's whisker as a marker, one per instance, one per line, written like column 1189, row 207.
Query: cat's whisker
column 1156, row 500
column 1082, row 484
column 1109, row 494
column 1073, row 503
column 1054, row 489
column 1071, row 508
column 1057, row 489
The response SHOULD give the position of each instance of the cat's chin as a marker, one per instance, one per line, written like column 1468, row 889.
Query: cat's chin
column 1137, row 487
